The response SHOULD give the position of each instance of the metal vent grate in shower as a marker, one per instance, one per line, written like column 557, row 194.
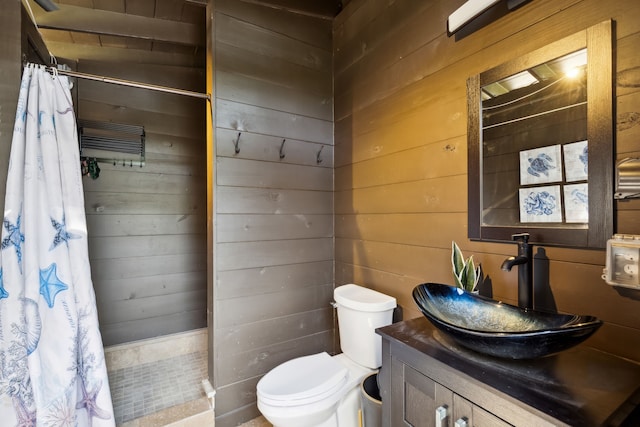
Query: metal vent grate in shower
column 111, row 137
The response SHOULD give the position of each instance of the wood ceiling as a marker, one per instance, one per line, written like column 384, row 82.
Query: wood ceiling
column 162, row 32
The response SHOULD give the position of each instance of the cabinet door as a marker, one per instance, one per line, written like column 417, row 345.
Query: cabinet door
column 474, row 415
column 420, row 397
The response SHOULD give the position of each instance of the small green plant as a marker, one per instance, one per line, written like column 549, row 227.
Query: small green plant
column 466, row 275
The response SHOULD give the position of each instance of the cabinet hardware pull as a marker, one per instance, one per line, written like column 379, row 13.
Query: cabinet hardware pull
column 441, row 416
column 461, row 422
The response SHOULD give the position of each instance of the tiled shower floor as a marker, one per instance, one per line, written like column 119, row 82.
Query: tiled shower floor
column 141, row 390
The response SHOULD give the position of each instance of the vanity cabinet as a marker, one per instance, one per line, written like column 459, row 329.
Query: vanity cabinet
column 425, row 381
column 419, row 396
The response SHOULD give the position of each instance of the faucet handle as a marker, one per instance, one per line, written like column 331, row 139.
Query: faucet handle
column 520, row 236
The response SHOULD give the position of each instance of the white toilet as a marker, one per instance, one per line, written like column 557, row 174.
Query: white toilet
column 321, row 390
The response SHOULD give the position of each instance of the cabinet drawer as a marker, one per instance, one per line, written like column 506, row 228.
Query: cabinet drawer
column 482, row 418
column 474, row 415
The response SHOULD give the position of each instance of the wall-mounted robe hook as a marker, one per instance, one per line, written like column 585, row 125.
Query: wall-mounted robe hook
column 282, row 149
column 236, row 143
column 318, row 158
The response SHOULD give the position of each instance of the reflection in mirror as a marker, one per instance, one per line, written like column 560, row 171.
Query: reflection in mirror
column 540, row 144
column 534, row 133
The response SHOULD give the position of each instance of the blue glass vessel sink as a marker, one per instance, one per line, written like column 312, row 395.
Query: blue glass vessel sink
column 498, row 329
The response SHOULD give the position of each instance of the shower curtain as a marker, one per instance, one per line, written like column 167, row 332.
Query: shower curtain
column 52, row 367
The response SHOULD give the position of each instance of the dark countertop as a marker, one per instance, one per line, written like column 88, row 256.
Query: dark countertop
column 580, row 386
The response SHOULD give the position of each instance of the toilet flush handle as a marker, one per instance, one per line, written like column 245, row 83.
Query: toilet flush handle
column 333, row 304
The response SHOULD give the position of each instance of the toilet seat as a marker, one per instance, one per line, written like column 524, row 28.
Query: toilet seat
column 302, row 381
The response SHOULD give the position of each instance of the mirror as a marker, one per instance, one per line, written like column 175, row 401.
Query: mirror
column 540, row 138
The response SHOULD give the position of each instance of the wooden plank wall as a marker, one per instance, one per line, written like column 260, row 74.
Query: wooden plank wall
column 273, row 198
column 10, row 76
column 401, row 152
column 147, row 226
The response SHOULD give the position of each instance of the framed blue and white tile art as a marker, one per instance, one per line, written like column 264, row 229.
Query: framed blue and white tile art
column 540, row 204
column 576, row 203
column 575, row 161
column 541, row 165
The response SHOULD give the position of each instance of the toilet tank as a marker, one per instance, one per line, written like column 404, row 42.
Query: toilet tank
column 360, row 312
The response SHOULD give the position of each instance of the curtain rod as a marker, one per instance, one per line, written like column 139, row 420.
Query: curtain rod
column 133, row 84
column 533, row 116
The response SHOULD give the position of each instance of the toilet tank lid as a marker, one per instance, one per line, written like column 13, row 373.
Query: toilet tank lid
column 363, row 299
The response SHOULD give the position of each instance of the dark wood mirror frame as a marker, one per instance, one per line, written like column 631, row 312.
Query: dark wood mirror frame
column 598, row 40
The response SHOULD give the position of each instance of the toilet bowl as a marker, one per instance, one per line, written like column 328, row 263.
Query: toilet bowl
column 322, row 390
column 307, row 391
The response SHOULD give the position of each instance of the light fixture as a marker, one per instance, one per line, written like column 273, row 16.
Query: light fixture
column 572, row 73
column 472, row 9
column 47, row 5
column 466, row 12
